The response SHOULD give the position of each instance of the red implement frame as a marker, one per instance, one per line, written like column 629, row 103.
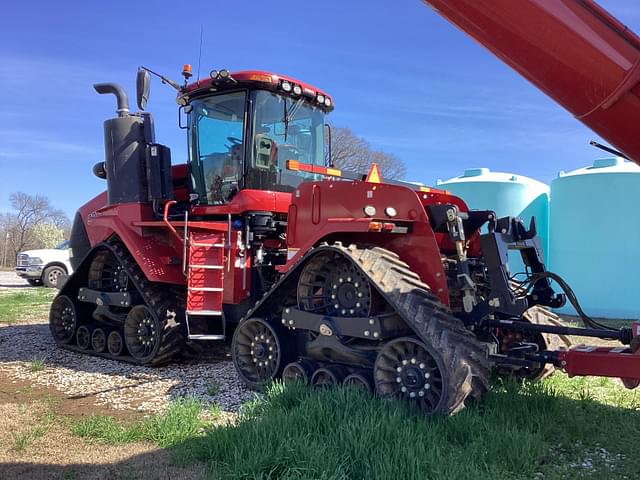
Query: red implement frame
column 620, row 362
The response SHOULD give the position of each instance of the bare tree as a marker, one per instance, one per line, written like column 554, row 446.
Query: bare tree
column 350, row 152
column 30, row 211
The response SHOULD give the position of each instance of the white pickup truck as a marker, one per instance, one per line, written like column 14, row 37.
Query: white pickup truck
column 45, row 265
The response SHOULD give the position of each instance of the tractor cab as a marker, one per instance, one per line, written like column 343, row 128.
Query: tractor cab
column 251, row 131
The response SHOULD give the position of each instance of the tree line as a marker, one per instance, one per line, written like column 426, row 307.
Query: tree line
column 354, row 153
column 32, row 223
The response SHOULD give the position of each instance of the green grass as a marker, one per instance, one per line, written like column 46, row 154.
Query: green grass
column 213, row 387
column 31, row 302
column 36, row 365
column 181, row 421
column 556, row 428
column 23, row 440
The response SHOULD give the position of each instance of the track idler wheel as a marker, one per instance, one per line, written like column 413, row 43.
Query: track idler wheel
column 296, row 372
column 407, row 369
column 359, row 382
column 63, row 319
column 115, row 344
column 98, row 340
column 142, row 334
column 257, row 352
column 83, row 337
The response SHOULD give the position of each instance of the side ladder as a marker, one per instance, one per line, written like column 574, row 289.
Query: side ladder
column 205, row 278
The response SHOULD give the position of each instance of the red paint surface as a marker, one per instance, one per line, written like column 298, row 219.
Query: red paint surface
column 247, row 201
column 244, row 79
column 574, row 51
column 334, row 210
column 600, row 362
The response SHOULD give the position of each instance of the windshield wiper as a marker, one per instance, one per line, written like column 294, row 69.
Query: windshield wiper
column 289, row 116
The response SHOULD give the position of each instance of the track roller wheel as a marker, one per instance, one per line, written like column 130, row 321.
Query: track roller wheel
column 407, row 368
column 62, row 319
column 296, row 372
column 358, row 381
column 142, row 334
column 115, row 344
column 326, row 377
column 83, row 337
column 98, row 340
column 257, row 352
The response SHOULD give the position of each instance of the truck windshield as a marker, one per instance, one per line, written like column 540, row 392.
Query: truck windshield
column 216, row 146
column 283, row 129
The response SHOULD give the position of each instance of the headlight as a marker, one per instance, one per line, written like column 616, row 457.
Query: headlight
column 327, row 102
column 35, row 261
column 286, row 86
column 320, row 98
column 297, row 89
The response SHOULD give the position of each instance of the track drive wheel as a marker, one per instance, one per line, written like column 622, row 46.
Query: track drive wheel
column 257, row 352
column 63, row 319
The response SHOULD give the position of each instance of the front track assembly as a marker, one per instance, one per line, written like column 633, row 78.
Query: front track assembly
column 363, row 318
column 109, row 309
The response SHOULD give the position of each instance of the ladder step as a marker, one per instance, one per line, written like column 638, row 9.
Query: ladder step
column 204, row 289
column 208, row 267
column 206, row 337
column 204, row 312
column 198, row 244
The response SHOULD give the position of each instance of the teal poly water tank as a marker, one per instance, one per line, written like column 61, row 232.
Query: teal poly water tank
column 595, row 234
column 508, row 195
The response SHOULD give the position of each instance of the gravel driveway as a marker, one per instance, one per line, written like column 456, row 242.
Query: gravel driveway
column 9, row 279
column 118, row 385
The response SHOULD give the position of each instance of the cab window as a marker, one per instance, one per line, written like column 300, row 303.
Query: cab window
column 217, row 153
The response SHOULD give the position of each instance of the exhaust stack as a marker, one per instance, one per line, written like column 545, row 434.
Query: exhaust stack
column 124, row 149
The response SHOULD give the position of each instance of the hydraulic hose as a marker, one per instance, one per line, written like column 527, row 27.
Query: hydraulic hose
column 571, row 296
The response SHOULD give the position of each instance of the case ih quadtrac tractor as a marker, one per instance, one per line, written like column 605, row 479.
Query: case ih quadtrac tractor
column 317, row 274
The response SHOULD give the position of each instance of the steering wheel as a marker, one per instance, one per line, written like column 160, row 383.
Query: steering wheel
column 234, row 141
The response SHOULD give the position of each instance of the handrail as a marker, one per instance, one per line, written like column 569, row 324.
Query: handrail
column 165, row 219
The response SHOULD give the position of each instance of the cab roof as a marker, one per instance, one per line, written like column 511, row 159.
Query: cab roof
column 256, row 79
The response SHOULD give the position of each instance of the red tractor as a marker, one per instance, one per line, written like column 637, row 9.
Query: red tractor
column 317, row 274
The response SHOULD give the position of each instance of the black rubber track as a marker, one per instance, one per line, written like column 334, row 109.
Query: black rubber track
column 541, row 316
column 165, row 301
column 465, row 358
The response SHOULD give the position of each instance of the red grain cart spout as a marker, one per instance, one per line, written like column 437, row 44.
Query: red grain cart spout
column 315, row 274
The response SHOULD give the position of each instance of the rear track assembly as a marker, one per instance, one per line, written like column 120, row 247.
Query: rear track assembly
column 150, row 333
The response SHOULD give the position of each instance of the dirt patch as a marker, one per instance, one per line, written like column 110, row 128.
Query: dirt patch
column 37, row 443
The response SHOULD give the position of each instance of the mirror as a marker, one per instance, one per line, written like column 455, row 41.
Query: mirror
column 143, row 82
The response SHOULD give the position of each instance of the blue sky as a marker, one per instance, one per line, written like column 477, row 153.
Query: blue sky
column 401, row 77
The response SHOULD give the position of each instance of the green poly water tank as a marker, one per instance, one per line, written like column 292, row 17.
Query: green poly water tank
column 507, row 194
column 595, row 234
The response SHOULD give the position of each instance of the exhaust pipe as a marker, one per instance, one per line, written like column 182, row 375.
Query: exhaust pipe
column 118, row 91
